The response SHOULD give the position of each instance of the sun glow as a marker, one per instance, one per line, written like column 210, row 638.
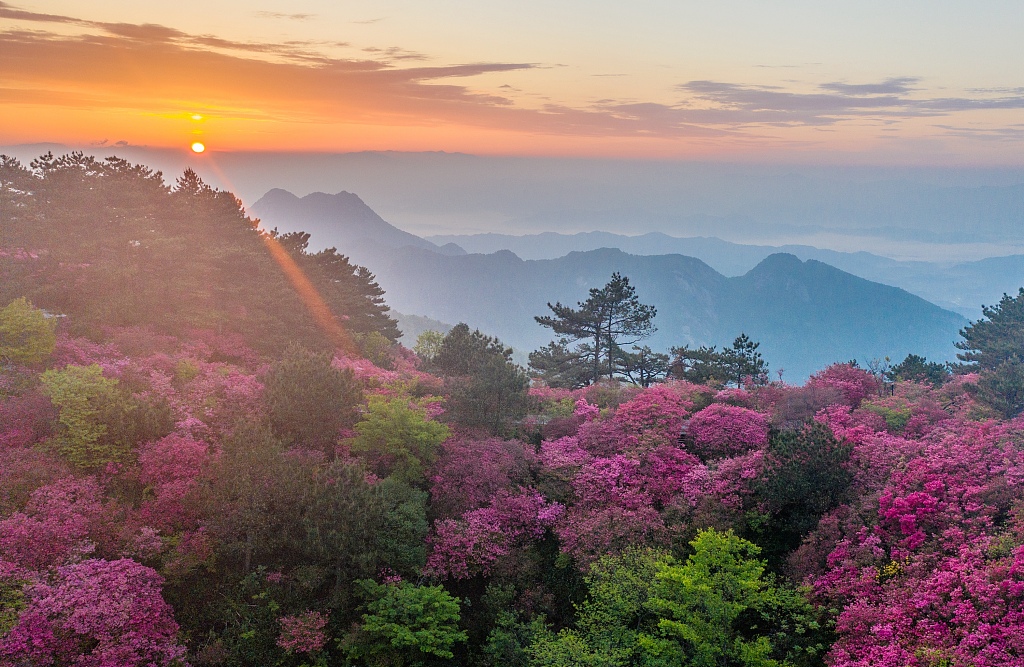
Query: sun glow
column 198, row 147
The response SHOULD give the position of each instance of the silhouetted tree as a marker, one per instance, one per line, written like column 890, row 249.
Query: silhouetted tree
column 611, row 318
column 643, row 366
column 738, row 365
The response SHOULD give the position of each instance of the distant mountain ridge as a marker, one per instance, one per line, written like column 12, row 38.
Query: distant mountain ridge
column 960, row 286
column 806, row 314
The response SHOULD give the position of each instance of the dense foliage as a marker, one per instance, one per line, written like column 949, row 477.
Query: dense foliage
column 188, row 489
column 108, row 243
column 994, row 346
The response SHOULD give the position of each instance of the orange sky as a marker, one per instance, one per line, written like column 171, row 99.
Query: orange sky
column 113, row 73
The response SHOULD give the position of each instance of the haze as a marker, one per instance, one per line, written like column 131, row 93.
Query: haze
column 853, row 126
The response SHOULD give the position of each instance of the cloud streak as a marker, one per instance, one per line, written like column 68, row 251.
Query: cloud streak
column 831, row 103
column 282, row 15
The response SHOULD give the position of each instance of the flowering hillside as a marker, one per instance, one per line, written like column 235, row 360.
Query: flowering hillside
column 185, row 493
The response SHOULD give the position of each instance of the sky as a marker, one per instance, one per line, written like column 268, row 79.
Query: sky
column 915, row 82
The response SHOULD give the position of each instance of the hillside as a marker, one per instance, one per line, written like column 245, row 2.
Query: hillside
column 188, row 442
column 110, row 244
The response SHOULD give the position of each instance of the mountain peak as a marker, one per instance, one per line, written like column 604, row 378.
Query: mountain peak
column 342, row 220
column 778, row 261
column 278, row 195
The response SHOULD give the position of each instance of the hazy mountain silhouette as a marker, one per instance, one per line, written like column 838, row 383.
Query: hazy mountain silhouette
column 340, row 220
column 962, row 287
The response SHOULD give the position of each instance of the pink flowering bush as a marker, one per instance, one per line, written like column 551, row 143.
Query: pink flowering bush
column 586, row 411
column 303, row 633
column 792, row 406
column 731, row 480
column 848, row 426
column 564, row 454
column 478, row 541
column 966, row 608
column 656, row 415
column 544, row 394
column 22, row 471
column 606, row 437
column 171, row 467
column 25, row 419
column 667, row 472
column 614, row 509
column 734, row 396
column 84, row 352
column 726, row 430
column 95, row 614
column 57, row 526
column 469, row 472
column 935, row 579
column 855, row 384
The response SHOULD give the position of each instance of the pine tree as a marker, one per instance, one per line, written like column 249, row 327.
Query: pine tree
column 994, row 346
column 609, row 320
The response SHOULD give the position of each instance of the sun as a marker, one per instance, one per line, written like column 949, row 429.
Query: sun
column 198, row 147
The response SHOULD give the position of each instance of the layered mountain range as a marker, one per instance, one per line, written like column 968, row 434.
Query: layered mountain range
column 806, row 313
column 959, row 286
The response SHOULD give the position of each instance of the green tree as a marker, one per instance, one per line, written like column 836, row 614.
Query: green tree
column 486, row 388
column 309, row 400
column 405, row 625
column 510, row 635
column 559, row 366
column 377, row 348
column 26, row 334
column 805, row 476
column 644, row 366
column 353, row 529
column 994, row 346
column 254, row 499
column 610, row 621
column 124, row 249
column 700, row 366
column 81, row 393
column 12, row 602
column 719, row 608
column 397, row 438
column 744, row 363
column 611, row 318
column 428, row 345
column 16, row 187
column 350, row 290
column 915, row 368
column 996, row 338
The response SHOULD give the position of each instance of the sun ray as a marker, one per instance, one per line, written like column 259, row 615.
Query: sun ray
column 311, row 298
